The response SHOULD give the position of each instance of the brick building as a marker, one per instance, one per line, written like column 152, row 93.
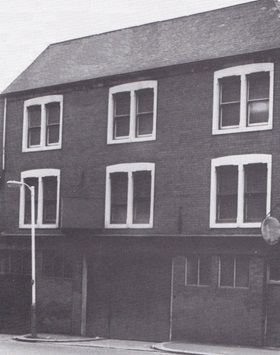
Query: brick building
column 154, row 152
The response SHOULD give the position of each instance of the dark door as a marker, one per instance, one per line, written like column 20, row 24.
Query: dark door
column 129, row 298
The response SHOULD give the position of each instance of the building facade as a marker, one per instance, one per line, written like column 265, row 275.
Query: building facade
column 154, row 164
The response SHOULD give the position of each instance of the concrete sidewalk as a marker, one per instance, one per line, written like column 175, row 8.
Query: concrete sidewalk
column 169, row 347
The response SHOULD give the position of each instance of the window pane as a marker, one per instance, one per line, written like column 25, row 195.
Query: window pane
column 49, row 199
column 258, row 86
column 53, row 122
column 122, row 104
column 121, row 114
column 230, row 89
column 274, row 269
column 258, row 97
column 48, row 264
column 34, row 116
column 227, row 185
column 145, row 100
column 229, row 101
column 229, row 115
column 227, row 209
column 34, row 125
column 16, row 263
column 227, row 271
column 34, row 136
column 242, row 271
column 53, row 134
column 255, row 192
column 205, row 270
column 227, row 179
column 121, row 126
column 53, row 113
column 144, row 124
column 27, row 263
column 57, row 266
column 27, row 206
column 256, row 178
column 141, row 196
column 192, row 270
column 258, row 111
column 119, row 186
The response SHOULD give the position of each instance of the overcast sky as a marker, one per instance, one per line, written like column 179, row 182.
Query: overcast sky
column 27, row 27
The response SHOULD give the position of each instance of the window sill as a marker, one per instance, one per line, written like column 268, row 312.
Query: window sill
column 235, row 225
column 39, row 226
column 131, row 140
column 255, row 128
column 41, row 149
column 202, row 286
column 272, row 282
column 128, row 226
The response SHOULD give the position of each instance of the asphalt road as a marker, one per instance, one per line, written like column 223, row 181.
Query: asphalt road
column 8, row 346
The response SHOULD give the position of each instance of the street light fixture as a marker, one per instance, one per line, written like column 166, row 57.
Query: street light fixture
column 17, row 184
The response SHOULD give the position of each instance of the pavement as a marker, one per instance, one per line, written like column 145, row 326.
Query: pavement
column 168, row 347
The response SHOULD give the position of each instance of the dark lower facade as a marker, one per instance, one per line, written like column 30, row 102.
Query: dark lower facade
column 198, row 289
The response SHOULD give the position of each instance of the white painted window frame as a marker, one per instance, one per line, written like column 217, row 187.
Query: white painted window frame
column 234, row 276
column 40, row 174
column 132, row 88
column 42, row 101
column 242, row 71
column 240, row 161
column 129, row 169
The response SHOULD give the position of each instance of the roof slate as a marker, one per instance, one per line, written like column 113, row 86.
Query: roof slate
column 239, row 29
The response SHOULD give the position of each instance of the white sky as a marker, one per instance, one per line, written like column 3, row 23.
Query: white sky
column 27, row 27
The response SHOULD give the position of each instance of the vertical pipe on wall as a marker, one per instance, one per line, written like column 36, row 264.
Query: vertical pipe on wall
column 4, row 136
column 84, row 297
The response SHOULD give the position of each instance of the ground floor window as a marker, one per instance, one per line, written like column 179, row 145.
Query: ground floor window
column 198, row 270
column 15, row 262
column 57, row 265
column 234, row 271
column 273, row 270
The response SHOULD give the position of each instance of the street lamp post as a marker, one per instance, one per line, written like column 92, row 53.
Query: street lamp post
column 16, row 184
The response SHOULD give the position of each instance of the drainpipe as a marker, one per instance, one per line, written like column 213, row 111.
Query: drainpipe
column 4, row 136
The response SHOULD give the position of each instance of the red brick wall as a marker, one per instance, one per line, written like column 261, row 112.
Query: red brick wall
column 182, row 152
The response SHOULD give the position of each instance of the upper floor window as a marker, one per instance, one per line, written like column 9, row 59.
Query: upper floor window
column 240, row 190
column 47, row 186
column 42, row 123
column 132, row 112
column 243, row 98
column 129, row 195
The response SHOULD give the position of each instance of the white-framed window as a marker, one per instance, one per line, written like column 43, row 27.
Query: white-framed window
column 240, row 190
column 132, row 112
column 198, row 270
column 42, row 123
column 243, row 98
column 234, row 271
column 47, row 193
column 129, row 195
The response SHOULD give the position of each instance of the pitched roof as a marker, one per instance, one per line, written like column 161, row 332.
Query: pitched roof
column 239, row 29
